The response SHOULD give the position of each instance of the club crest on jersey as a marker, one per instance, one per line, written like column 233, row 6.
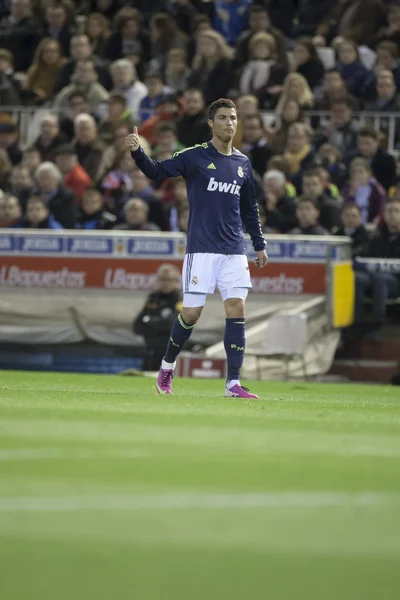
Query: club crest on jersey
column 240, row 171
column 195, row 281
column 221, row 186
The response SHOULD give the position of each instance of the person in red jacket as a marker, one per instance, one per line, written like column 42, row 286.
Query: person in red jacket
column 75, row 176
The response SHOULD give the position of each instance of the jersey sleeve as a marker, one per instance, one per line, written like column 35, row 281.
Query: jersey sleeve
column 249, row 211
column 159, row 170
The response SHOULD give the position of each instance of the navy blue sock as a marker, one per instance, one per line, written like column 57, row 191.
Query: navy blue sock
column 180, row 333
column 234, row 341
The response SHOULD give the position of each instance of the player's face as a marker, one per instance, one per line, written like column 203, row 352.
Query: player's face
column 225, row 124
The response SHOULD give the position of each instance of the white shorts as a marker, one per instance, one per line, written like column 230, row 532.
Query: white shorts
column 203, row 272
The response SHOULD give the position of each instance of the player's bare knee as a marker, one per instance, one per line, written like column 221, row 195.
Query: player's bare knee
column 191, row 314
column 234, row 308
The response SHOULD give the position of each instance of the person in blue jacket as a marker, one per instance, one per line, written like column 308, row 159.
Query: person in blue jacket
column 230, row 18
column 38, row 215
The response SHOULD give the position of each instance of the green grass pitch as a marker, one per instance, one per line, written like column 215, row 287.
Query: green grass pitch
column 108, row 491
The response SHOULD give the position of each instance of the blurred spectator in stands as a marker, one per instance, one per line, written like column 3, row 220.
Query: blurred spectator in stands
column 98, row 31
column 116, row 112
column 108, row 8
column 230, row 18
column 21, row 184
column 126, row 84
column 177, row 71
column 391, row 30
column 310, row 14
column 19, row 33
column 259, row 21
column 5, row 168
column 380, row 285
column 363, row 190
column 75, row 176
column 84, row 80
column 87, row 144
column 331, row 159
column 156, row 91
column 38, row 215
column 61, row 202
column 92, row 214
column 119, row 132
column 9, row 143
column 212, row 66
column 329, row 210
column 130, row 37
column 387, row 99
column 142, row 188
column 383, row 165
column 298, row 153
column 340, row 132
column 280, row 208
column 192, row 127
column 77, row 105
column 184, row 219
column 307, row 214
column 155, row 320
column 167, row 110
column 10, row 211
column 166, row 140
column 388, row 59
column 354, row 73
column 333, row 89
column 9, row 95
column 81, row 50
column 201, row 23
column 307, row 62
column 295, row 88
column 57, row 25
column 136, row 213
column 352, row 226
column 164, row 35
column 261, row 72
column 118, row 182
column 184, row 14
column 42, row 73
column 30, row 159
column 291, row 113
column 50, row 137
column 177, row 201
column 255, row 143
column 245, row 105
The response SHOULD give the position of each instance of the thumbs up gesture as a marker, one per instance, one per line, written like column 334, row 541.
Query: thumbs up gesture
column 132, row 142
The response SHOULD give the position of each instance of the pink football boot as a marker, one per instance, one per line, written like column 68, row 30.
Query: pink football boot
column 164, row 381
column 238, row 391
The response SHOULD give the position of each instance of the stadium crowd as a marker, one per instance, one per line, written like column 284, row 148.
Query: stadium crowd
column 100, row 67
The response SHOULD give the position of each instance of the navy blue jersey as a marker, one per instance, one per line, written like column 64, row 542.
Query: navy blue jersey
column 221, row 195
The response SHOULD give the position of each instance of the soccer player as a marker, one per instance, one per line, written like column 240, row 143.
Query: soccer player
column 221, row 195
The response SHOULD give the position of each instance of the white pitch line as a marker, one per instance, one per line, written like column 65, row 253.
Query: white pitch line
column 135, row 502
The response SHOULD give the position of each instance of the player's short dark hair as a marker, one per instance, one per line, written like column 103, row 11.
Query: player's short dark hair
column 368, row 131
column 221, row 103
column 304, row 198
column 350, row 206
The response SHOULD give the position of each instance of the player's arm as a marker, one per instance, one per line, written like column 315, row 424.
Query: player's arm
column 249, row 212
column 154, row 169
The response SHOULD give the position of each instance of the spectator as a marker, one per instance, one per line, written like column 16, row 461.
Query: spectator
column 184, row 219
column 60, row 201
column 75, row 177
column 307, row 214
column 177, row 202
column 126, row 84
column 10, row 211
column 38, row 215
column 212, row 66
column 298, row 153
column 142, row 188
column 230, row 18
column 310, row 15
column 353, row 227
column 255, row 144
column 21, row 184
column 333, row 89
column 164, row 35
column 354, row 73
column 108, row 8
column 184, row 15
column 380, row 285
column 280, row 208
column 10, row 89
column 387, row 99
column 167, row 110
column 291, row 113
column 166, row 140
column 5, row 168
column 259, row 21
column 9, row 143
column 295, row 88
column 192, row 127
column 57, row 25
column 156, row 91
column 30, row 159
column 118, row 182
column 87, row 144
column 98, row 32
column 84, row 80
column 340, row 132
column 307, row 62
column 391, row 31
column 383, row 165
column 81, row 50
column 329, row 211
column 129, row 37
column 388, row 59
column 245, row 105
column 77, row 105
column 18, row 33
column 136, row 217
column 330, row 159
column 155, row 320
column 261, row 71
column 50, row 137
column 177, row 71
column 116, row 112
column 42, row 73
column 364, row 191
column 92, row 214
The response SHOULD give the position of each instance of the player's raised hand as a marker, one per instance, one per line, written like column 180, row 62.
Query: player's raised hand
column 261, row 259
column 132, row 142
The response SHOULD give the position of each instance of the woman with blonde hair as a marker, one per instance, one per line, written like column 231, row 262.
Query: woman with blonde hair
column 212, row 66
column 298, row 153
column 295, row 88
column 261, row 71
column 98, row 32
column 42, row 74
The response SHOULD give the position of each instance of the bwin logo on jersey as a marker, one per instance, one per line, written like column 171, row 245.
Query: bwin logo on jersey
column 213, row 186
